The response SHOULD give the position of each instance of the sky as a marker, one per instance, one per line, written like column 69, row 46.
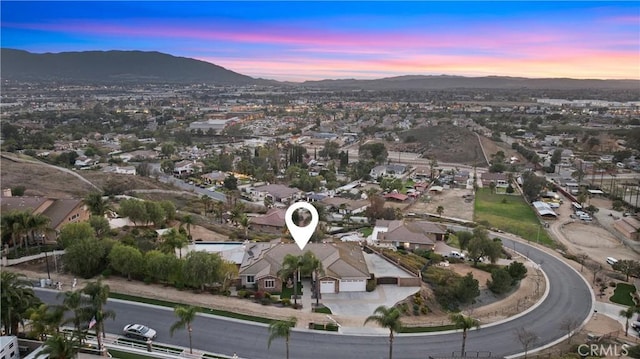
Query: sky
column 297, row 41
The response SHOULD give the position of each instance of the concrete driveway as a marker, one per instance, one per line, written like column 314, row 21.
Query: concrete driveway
column 364, row 303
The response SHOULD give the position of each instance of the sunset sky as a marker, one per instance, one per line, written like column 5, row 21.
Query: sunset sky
column 300, row 41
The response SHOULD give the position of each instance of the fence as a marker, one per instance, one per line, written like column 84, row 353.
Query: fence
column 11, row 262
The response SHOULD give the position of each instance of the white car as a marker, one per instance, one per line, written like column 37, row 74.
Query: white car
column 139, row 332
column 456, row 254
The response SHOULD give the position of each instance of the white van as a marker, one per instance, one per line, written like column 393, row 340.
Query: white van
column 611, row 260
column 455, row 254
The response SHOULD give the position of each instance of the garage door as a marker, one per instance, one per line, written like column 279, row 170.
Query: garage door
column 353, row 285
column 327, row 286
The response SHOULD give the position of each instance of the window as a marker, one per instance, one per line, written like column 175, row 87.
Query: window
column 269, row 283
column 251, row 279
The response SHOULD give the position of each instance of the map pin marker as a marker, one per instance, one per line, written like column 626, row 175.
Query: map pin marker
column 301, row 234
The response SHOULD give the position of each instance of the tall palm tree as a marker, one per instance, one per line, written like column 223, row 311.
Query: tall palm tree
column 173, row 239
column 465, row 323
column 206, row 201
column 61, row 347
column 312, row 265
column 74, row 302
column 387, row 318
column 186, row 315
column 628, row 314
column 188, row 220
column 16, row 297
column 290, row 267
column 281, row 329
column 98, row 295
column 218, row 210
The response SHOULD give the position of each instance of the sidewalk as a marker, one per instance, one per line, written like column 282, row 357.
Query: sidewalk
column 305, row 298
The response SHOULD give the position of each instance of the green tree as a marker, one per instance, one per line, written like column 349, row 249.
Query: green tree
column 74, row 232
column 169, row 209
column 60, row 346
column 500, row 281
column 98, row 294
column 126, row 260
column 440, row 210
column 16, row 297
column 186, row 315
column 517, row 271
column 388, row 318
column 135, row 209
column 202, row 268
column 464, row 237
column 627, row 267
column 100, row 225
column 627, row 314
column 85, row 257
column 461, row 321
column 188, row 221
column 373, row 151
column 467, row 289
column 167, row 166
column 155, row 212
column 281, row 329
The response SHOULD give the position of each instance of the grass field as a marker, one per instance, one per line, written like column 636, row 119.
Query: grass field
column 510, row 214
column 622, row 294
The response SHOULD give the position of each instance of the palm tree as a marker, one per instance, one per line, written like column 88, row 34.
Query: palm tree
column 60, row 347
column 312, row 265
column 387, row 318
column 281, row 329
column 465, row 323
column 244, row 222
column 38, row 224
column 173, row 239
column 218, row 210
column 186, row 315
column 188, row 220
column 290, row 267
column 97, row 205
column 628, row 314
column 206, row 201
column 74, row 302
column 16, row 297
column 45, row 320
column 98, row 295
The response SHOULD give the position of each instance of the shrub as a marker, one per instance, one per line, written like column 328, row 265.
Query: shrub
column 371, row 285
column 332, row 327
column 517, row 271
column 500, row 281
column 265, row 301
column 259, row 295
column 612, row 284
column 424, row 310
column 267, row 295
column 242, row 294
column 106, row 273
column 416, row 309
column 286, row 302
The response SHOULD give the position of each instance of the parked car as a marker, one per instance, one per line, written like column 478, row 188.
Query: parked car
column 456, row 254
column 611, row 260
column 139, row 332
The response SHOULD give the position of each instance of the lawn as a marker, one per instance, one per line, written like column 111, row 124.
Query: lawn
column 367, row 231
column 124, row 355
column 511, row 214
column 623, row 294
column 288, row 292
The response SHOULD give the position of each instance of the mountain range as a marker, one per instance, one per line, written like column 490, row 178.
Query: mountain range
column 157, row 67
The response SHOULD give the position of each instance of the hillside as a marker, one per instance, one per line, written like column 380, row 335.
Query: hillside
column 488, row 82
column 116, row 67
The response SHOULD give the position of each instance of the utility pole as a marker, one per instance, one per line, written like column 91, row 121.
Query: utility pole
column 46, row 259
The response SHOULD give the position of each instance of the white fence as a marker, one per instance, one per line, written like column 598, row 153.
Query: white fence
column 11, row 262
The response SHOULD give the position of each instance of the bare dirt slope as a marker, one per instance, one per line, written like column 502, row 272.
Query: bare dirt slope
column 42, row 180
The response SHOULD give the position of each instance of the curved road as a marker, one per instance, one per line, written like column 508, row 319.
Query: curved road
column 569, row 297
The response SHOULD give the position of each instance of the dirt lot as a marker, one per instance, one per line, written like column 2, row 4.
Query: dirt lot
column 450, row 199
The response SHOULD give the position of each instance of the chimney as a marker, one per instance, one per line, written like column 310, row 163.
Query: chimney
column 6, row 192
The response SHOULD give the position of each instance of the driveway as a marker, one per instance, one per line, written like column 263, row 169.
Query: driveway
column 364, row 303
column 380, row 267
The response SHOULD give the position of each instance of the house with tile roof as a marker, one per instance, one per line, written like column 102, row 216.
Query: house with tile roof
column 277, row 192
column 628, row 226
column 345, row 269
column 272, row 222
column 60, row 211
column 409, row 234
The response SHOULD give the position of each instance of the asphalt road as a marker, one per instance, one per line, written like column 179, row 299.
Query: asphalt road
column 569, row 297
